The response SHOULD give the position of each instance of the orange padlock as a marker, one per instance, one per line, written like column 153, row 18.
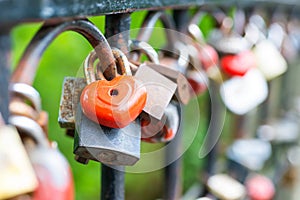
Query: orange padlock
column 114, row 103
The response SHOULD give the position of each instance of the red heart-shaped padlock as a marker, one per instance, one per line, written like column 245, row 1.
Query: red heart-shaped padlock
column 114, row 103
column 239, row 64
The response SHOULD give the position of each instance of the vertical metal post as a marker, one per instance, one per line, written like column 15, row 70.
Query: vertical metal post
column 173, row 179
column 112, row 180
column 5, row 50
column 215, row 118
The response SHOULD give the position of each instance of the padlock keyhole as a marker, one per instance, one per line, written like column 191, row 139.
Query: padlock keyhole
column 113, row 92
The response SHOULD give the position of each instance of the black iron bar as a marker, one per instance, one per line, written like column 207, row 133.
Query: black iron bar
column 112, row 178
column 5, row 51
column 173, row 176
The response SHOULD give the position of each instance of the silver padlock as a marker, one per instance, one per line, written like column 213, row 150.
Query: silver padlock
column 106, row 145
column 103, row 144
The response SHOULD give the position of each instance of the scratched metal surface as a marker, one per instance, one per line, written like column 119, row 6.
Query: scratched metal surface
column 14, row 11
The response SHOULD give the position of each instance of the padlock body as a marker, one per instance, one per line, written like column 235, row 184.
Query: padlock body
column 114, row 103
column 104, row 144
column 54, row 175
column 238, row 64
column 17, row 176
column 160, row 90
column 182, row 92
column 70, row 97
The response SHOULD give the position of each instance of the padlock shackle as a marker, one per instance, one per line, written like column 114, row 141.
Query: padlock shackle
column 28, row 64
column 147, row 49
column 28, row 92
column 30, row 128
column 121, row 61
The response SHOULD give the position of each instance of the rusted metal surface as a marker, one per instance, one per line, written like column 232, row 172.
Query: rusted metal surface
column 28, row 64
column 71, row 91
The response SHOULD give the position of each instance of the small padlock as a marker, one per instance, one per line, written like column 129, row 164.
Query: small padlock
column 242, row 94
column 100, row 143
column 226, row 41
column 17, row 176
column 250, row 153
column 182, row 91
column 52, row 169
column 269, row 60
column 151, row 126
column 177, row 63
column 260, row 187
column 170, row 127
column 160, row 90
column 238, row 64
column 225, row 188
column 114, row 103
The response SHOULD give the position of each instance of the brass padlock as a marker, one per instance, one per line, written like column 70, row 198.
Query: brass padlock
column 17, row 176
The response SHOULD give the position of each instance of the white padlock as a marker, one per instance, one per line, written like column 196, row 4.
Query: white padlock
column 269, row 60
column 242, row 94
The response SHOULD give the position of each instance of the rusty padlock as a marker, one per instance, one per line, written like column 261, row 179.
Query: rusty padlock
column 17, row 176
column 103, row 144
column 169, row 127
column 52, row 169
column 70, row 96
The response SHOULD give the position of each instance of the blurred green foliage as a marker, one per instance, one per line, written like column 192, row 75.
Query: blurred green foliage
column 63, row 58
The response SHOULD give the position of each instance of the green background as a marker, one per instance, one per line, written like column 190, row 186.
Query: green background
column 63, row 58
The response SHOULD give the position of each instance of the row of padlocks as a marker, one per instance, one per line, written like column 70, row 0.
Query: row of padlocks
column 133, row 96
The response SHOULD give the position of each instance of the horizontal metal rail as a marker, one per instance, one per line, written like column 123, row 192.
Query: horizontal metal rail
column 13, row 12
